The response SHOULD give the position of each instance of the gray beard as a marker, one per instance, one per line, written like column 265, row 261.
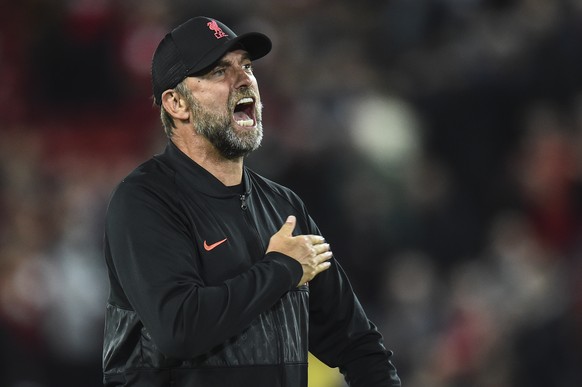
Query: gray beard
column 219, row 130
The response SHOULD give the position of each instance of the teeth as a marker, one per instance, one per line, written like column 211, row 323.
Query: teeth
column 245, row 100
column 247, row 123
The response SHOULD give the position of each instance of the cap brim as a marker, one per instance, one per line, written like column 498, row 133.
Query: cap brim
column 255, row 43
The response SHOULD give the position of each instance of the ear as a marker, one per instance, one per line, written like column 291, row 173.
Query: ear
column 175, row 105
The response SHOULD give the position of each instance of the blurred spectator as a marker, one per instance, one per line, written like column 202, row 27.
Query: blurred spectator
column 451, row 132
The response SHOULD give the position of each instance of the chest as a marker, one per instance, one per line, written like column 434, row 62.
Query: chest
column 231, row 234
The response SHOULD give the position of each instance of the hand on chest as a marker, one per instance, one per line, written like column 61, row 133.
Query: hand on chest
column 230, row 239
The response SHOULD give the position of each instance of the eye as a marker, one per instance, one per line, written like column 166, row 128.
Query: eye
column 218, row 71
column 248, row 67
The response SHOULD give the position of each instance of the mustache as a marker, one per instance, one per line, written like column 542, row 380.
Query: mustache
column 242, row 93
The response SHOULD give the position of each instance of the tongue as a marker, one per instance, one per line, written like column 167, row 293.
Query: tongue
column 241, row 116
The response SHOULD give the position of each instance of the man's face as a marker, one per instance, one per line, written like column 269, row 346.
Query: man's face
column 226, row 106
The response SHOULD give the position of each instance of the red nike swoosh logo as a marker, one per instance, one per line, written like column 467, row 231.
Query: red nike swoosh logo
column 208, row 247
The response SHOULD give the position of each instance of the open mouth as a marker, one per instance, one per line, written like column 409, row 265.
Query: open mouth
column 244, row 112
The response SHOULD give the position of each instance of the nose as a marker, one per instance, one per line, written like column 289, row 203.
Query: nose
column 243, row 78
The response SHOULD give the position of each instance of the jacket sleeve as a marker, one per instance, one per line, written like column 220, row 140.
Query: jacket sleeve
column 154, row 260
column 341, row 335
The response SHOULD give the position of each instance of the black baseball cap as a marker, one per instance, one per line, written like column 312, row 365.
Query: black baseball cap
column 194, row 46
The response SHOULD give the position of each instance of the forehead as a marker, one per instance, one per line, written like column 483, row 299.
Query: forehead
column 233, row 56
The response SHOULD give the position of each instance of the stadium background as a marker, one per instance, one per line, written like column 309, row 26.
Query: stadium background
column 436, row 142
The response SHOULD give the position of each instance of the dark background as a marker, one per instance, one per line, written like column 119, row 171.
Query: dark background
column 437, row 144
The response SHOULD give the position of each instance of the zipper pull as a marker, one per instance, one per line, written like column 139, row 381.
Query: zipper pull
column 243, row 202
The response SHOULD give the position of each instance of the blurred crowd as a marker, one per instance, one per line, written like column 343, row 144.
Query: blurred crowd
column 437, row 144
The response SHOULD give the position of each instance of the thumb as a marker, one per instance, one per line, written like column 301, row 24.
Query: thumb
column 288, row 226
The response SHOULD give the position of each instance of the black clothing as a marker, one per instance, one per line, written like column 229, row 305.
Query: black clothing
column 196, row 302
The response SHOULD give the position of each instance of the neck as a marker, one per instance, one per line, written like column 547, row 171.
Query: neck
column 229, row 172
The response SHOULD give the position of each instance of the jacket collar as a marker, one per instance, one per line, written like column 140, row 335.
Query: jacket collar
column 193, row 174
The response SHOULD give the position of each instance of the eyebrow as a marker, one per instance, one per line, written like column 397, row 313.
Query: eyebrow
column 225, row 63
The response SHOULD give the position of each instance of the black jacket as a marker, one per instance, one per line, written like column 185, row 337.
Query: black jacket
column 196, row 302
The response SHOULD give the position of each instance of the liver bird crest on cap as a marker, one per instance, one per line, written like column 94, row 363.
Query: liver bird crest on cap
column 218, row 32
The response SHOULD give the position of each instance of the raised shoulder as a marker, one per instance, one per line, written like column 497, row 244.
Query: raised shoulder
column 153, row 178
column 276, row 188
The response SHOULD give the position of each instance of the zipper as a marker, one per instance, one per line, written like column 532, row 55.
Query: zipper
column 274, row 315
column 258, row 245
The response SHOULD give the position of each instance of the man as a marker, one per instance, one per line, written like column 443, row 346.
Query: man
column 219, row 277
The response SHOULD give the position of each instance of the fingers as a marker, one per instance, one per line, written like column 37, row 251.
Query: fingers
column 323, row 260
column 288, row 226
column 321, row 256
column 310, row 250
column 315, row 266
column 321, row 248
column 316, row 244
column 315, row 239
column 324, row 265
